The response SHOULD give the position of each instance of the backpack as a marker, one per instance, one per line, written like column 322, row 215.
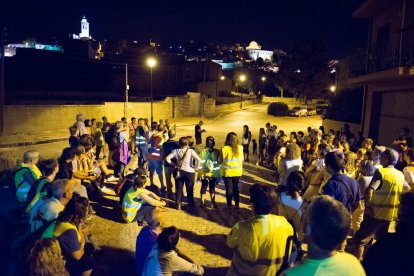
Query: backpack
column 115, row 140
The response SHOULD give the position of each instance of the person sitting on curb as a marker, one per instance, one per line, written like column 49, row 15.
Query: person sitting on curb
column 138, row 202
column 26, row 174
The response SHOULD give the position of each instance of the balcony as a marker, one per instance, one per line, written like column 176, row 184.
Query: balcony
column 393, row 58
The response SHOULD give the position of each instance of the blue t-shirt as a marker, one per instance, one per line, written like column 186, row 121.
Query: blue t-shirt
column 344, row 189
column 145, row 241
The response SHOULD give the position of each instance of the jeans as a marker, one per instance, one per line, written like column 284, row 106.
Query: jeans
column 168, row 175
column 144, row 213
column 119, row 169
column 186, row 179
column 142, row 155
column 232, row 190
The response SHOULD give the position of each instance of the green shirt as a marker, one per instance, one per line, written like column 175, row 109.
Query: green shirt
column 341, row 264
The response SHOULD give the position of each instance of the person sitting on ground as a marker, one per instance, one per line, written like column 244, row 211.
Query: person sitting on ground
column 381, row 199
column 129, row 180
column 138, row 202
column 164, row 258
column 45, row 258
column 41, row 187
column 71, row 234
column 328, row 223
column 386, row 256
column 49, row 208
column 209, row 171
column 73, row 139
column 254, row 253
column 290, row 163
column 147, row 238
column 340, row 186
column 408, row 171
column 289, row 201
column 26, row 174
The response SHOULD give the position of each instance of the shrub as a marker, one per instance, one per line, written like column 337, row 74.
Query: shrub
column 277, row 109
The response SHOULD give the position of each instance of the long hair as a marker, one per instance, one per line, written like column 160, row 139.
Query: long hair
column 45, row 259
column 75, row 210
column 233, row 142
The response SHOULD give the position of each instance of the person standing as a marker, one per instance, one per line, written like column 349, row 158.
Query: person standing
column 198, row 131
column 120, row 155
column 141, row 142
column 132, row 131
column 231, row 167
column 80, row 125
column 185, row 156
column 381, row 199
column 259, row 242
column 247, row 137
column 209, row 171
column 155, row 158
column 168, row 147
column 99, row 139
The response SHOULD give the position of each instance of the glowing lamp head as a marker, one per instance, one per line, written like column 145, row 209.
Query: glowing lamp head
column 332, row 88
column 263, row 78
column 222, row 77
column 242, row 78
column 151, row 62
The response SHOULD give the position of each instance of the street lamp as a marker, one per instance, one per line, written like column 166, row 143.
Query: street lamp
column 222, row 77
column 242, row 78
column 332, row 88
column 151, row 62
column 263, row 81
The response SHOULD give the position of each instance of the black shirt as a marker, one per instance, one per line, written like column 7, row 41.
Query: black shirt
column 168, row 147
column 198, row 135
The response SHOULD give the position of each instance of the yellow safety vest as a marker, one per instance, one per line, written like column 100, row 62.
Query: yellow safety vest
column 385, row 201
column 56, row 229
column 232, row 165
column 131, row 204
column 212, row 156
column 22, row 186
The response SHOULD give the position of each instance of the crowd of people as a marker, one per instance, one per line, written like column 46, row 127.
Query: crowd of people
column 334, row 191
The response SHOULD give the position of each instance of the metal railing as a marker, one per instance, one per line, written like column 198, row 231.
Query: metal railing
column 397, row 51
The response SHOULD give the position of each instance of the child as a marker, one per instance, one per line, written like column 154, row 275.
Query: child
column 254, row 147
column 73, row 139
column 138, row 202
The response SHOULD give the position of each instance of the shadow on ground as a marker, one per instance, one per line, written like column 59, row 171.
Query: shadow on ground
column 114, row 261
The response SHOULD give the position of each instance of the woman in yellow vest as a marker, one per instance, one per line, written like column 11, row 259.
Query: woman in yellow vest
column 231, row 167
column 72, row 237
column 138, row 202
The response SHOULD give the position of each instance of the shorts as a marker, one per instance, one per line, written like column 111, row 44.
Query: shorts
column 155, row 166
column 370, row 227
column 210, row 183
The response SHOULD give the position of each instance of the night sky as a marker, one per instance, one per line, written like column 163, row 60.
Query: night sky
column 275, row 24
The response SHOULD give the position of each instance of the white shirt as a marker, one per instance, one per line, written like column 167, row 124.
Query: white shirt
column 409, row 177
column 287, row 166
column 81, row 128
column 47, row 209
column 187, row 163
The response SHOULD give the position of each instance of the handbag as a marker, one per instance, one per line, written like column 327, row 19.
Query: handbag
column 176, row 171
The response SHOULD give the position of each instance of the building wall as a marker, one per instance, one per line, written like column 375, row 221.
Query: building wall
column 213, row 88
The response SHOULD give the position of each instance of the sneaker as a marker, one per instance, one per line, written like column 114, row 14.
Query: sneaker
column 112, row 179
column 91, row 211
column 214, row 205
column 107, row 191
column 179, row 206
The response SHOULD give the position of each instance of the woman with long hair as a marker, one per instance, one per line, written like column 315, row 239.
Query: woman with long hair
column 231, row 167
column 247, row 137
column 72, row 236
column 165, row 259
column 45, row 259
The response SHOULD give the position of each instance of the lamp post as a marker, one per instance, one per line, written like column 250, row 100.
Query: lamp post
column 126, row 92
column 151, row 62
column 263, row 81
column 242, row 78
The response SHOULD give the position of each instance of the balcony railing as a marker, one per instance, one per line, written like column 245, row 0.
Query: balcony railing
column 397, row 51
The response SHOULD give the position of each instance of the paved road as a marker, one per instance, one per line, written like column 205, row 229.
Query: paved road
column 203, row 234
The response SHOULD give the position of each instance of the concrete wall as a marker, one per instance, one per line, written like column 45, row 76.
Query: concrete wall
column 337, row 125
column 234, row 106
column 213, row 88
column 45, row 118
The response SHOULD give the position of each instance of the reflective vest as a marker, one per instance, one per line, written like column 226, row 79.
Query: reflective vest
column 21, row 184
column 140, row 140
column 213, row 157
column 131, row 203
column 56, row 229
column 154, row 152
column 259, row 245
column 41, row 191
column 385, row 200
column 232, row 165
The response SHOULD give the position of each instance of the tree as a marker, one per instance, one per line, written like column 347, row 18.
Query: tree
column 305, row 72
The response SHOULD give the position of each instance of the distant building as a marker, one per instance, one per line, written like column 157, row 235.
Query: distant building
column 84, row 34
column 255, row 51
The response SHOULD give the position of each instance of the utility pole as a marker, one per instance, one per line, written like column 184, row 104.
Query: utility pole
column 126, row 92
column 2, row 52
